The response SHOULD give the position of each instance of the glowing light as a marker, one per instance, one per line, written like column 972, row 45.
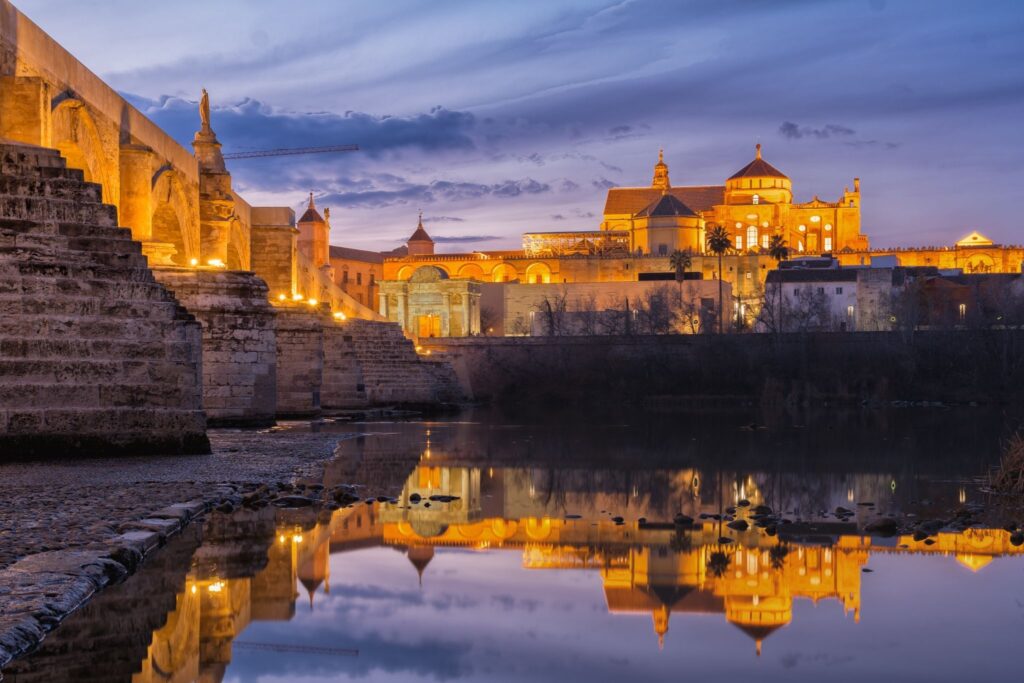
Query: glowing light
column 815, row 219
column 216, row 263
column 281, row 297
column 215, row 587
column 193, row 262
column 297, row 538
column 297, row 297
column 338, row 315
column 194, row 589
column 282, row 538
column 312, row 302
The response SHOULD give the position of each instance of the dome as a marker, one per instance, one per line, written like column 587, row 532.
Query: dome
column 666, row 205
column 758, row 168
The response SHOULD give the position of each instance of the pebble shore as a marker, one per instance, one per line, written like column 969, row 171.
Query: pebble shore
column 70, row 528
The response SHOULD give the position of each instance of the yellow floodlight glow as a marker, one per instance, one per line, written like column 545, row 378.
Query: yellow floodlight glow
column 281, row 297
column 312, row 302
column 216, row 263
column 193, row 262
column 215, row 587
column 297, row 538
column 338, row 315
column 297, row 297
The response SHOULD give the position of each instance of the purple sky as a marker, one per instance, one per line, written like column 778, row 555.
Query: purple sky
column 500, row 118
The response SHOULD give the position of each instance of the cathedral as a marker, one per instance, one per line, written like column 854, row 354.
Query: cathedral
column 755, row 203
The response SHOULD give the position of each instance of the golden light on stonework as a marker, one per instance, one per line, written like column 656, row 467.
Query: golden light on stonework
column 297, row 297
column 216, row 263
column 281, row 297
column 216, row 587
column 312, row 302
column 338, row 315
column 193, row 262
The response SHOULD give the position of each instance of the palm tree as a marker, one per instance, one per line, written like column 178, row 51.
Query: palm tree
column 680, row 261
column 718, row 242
column 778, row 250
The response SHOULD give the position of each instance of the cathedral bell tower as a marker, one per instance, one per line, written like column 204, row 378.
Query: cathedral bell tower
column 661, row 181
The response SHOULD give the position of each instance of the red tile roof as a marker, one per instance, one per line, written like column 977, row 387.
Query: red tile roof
column 631, row 200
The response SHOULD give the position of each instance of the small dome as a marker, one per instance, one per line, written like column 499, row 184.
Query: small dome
column 666, row 205
column 420, row 235
column 758, row 168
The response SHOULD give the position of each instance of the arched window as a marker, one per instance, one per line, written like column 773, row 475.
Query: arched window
column 764, row 241
column 739, row 241
column 751, row 236
column 757, row 199
column 800, row 246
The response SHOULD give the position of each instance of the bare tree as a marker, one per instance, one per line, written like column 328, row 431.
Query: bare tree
column 552, row 312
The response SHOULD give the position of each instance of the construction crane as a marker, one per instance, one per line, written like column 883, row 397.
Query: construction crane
column 289, row 151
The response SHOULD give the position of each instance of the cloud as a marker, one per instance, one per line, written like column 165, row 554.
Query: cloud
column 448, row 191
column 792, row 131
column 557, row 217
column 443, row 219
column 252, row 125
column 568, row 186
column 602, row 183
column 465, row 239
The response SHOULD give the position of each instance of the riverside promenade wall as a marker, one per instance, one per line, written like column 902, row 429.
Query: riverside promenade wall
column 629, row 371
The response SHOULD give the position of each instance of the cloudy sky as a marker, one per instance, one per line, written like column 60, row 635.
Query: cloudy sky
column 499, row 118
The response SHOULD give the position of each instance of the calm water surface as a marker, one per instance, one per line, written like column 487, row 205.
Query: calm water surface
column 527, row 576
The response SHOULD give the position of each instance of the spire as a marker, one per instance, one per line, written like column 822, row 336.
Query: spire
column 758, row 148
column 661, row 181
column 312, row 206
column 757, row 646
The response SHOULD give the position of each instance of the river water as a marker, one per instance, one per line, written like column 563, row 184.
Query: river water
column 557, row 553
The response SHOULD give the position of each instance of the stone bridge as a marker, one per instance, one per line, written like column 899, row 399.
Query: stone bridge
column 278, row 336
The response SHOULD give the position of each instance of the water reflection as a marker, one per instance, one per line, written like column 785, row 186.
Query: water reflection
column 259, row 566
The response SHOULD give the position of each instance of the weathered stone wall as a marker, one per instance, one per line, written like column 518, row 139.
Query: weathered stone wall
column 239, row 342
column 95, row 355
column 343, row 385
column 300, row 360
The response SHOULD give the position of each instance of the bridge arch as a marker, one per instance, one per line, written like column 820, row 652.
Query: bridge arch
column 73, row 131
column 173, row 221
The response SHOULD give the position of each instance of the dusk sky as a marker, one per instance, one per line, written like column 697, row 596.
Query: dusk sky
column 499, row 118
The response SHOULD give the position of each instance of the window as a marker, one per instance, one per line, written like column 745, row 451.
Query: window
column 802, row 228
column 800, row 246
column 764, row 241
column 662, row 249
column 815, row 219
column 750, row 276
column 839, row 290
column 963, row 311
column 751, row 236
column 372, row 282
column 344, row 278
column 739, row 241
column 849, row 311
column 757, row 199
column 359, row 278
column 828, row 227
column 821, row 290
column 828, row 243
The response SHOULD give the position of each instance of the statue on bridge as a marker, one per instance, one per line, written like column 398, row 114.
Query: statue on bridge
column 204, row 111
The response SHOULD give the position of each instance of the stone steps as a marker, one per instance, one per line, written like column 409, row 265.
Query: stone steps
column 56, row 188
column 54, row 209
column 95, row 355
column 96, row 287
column 22, row 346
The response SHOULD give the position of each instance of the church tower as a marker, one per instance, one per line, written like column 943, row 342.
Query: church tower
column 661, row 181
column 314, row 235
column 420, row 243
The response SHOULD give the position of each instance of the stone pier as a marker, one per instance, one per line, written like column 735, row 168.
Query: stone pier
column 300, row 360
column 95, row 355
column 239, row 343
